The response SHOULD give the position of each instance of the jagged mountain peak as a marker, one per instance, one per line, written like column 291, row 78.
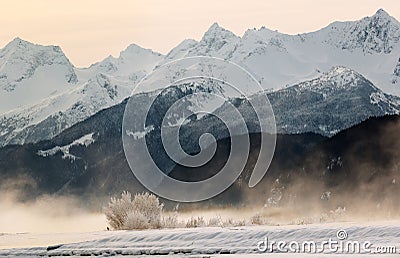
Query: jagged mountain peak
column 262, row 30
column 21, row 46
column 131, row 60
column 134, row 49
column 379, row 33
column 261, row 35
column 20, row 61
column 217, row 32
column 381, row 17
column 215, row 27
column 17, row 42
column 217, row 42
column 381, row 13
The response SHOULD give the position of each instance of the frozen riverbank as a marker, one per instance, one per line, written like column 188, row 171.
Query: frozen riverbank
column 241, row 241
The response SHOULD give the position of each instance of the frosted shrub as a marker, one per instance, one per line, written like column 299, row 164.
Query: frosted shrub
column 149, row 206
column 143, row 212
column 170, row 221
column 118, row 210
column 215, row 222
column 136, row 220
column 195, row 222
column 240, row 223
column 338, row 214
column 234, row 223
column 257, row 219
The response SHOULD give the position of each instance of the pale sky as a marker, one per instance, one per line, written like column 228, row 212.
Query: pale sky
column 90, row 30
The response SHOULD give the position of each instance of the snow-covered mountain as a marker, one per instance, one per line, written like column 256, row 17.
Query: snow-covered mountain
column 333, row 102
column 88, row 158
column 369, row 46
column 217, row 41
column 330, row 103
column 327, row 105
column 41, row 93
column 132, row 64
column 24, row 67
column 100, row 86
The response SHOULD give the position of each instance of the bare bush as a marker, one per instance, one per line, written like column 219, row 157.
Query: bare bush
column 136, row 220
column 257, row 219
column 215, row 222
column 234, row 223
column 118, row 210
column 143, row 212
column 195, row 222
column 170, row 221
column 149, row 206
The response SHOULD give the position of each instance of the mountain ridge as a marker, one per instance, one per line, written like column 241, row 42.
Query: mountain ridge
column 276, row 60
column 95, row 166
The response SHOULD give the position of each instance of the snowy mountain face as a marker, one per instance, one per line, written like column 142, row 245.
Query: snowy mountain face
column 331, row 103
column 132, row 64
column 42, row 94
column 51, row 116
column 88, row 160
column 377, row 34
column 369, row 46
column 181, row 50
column 23, row 69
column 100, row 86
column 217, row 42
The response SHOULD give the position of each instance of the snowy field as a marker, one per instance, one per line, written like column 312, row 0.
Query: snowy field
column 209, row 242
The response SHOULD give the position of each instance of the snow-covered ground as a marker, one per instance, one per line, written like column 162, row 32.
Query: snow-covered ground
column 205, row 242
